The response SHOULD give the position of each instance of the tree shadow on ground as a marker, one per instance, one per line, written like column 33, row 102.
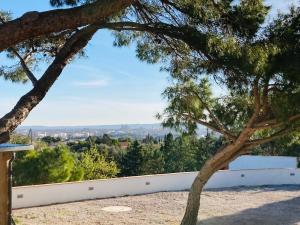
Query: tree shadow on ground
column 277, row 213
column 259, row 189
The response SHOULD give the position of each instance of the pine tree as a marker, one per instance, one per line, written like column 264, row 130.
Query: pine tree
column 133, row 160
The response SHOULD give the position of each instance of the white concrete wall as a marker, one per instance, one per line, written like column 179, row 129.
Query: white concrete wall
column 38, row 195
column 259, row 177
column 263, row 162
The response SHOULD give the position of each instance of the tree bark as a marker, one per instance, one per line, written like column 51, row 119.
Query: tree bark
column 208, row 169
column 223, row 156
column 33, row 24
column 5, row 157
column 4, row 137
column 193, row 203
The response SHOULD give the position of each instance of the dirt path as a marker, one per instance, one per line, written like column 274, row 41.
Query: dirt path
column 238, row 206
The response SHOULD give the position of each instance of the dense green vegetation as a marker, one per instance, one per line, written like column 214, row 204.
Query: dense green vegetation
column 104, row 157
column 96, row 165
column 45, row 166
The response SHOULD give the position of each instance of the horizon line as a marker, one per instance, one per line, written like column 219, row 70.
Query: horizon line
column 91, row 125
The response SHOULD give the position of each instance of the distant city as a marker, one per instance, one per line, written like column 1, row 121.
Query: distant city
column 136, row 131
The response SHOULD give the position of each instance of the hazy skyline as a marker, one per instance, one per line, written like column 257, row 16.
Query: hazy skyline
column 111, row 86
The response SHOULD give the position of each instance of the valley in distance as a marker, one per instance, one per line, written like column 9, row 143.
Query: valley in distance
column 134, row 131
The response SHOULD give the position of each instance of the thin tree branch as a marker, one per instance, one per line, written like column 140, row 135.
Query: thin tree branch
column 29, row 74
column 273, row 123
column 265, row 98
column 218, row 130
column 257, row 105
column 278, row 134
column 195, row 39
column 220, row 125
column 142, row 11
column 248, row 131
column 210, row 126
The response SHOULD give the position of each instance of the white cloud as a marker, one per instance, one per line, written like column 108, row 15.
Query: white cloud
column 91, row 83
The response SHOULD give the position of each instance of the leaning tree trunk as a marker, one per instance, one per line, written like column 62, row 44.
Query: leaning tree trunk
column 193, row 204
column 218, row 161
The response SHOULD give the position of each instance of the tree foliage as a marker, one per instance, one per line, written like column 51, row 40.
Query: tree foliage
column 153, row 160
column 96, row 166
column 222, row 43
column 49, row 165
column 133, row 160
column 187, row 152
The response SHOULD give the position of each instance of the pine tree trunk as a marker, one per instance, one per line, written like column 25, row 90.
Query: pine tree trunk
column 193, row 204
column 218, row 161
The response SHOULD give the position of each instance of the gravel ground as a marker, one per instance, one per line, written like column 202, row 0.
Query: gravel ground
column 235, row 206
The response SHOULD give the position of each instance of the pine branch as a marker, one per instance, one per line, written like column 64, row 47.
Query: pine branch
column 211, row 126
column 274, row 123
column 29, row 74
column 219, row 124
column 278, row 134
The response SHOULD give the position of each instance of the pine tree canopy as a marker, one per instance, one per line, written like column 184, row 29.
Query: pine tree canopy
column 226, row 43
column 202, row 44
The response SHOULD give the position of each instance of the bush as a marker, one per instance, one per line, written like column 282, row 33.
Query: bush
column 49, row 165
column 96, row 166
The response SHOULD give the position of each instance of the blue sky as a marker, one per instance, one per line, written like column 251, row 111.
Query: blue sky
column 110, row 86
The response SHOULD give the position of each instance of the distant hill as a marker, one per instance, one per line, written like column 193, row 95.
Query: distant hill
column 118, row 130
